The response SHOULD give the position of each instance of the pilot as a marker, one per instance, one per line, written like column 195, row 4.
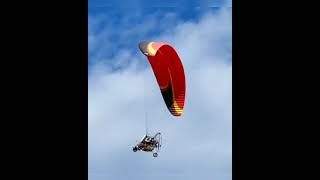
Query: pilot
column 147, row 139
column 147, row 146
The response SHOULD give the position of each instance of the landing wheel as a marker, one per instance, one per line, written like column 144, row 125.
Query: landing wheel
column 135, row 149
column 155, row 154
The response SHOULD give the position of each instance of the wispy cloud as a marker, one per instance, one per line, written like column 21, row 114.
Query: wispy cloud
column 122, row 88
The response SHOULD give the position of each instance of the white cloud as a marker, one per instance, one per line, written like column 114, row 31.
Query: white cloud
column 195, row 146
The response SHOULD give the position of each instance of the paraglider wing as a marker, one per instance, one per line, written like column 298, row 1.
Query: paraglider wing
column 169, row 72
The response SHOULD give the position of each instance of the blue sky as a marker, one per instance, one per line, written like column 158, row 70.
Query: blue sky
column 159, row 3
column 122, row 88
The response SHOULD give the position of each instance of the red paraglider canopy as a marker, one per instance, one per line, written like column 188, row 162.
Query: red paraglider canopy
column 169, row 72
